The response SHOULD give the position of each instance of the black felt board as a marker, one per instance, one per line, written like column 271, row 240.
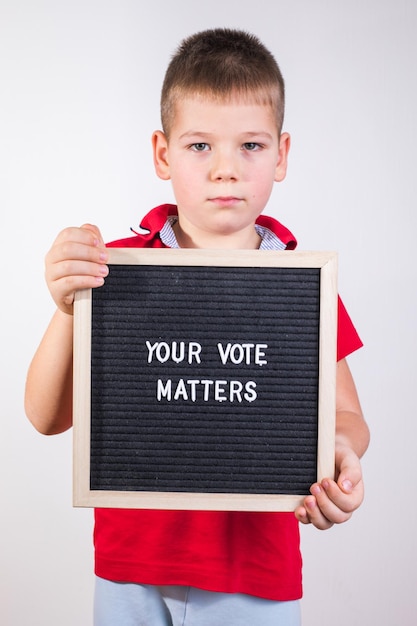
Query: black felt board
column 266, row 445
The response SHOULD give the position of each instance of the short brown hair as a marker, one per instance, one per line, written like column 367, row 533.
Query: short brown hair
column 222, row 64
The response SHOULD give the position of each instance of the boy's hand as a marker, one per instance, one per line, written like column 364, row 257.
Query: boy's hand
column 76, row 260
column 334, row 502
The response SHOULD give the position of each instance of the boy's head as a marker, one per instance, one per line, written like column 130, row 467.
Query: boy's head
column 223, row 65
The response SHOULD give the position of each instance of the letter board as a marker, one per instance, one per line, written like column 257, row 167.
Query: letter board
column 205, row 380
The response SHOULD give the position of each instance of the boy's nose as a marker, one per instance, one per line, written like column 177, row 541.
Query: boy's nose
column 224, row 167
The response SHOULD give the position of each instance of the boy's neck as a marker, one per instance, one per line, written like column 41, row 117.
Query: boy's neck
column 247, row 239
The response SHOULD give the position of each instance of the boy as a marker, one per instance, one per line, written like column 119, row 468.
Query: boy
column 222, row 148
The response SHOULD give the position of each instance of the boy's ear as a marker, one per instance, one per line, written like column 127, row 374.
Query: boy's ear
column 284, row 148
column 160, row 155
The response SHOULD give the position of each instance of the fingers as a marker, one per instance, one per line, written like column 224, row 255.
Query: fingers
column 76, row 260
column 330, row 502
column 320, row 511
column 310, row 513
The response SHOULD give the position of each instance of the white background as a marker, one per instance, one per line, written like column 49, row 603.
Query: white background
column 79, row 98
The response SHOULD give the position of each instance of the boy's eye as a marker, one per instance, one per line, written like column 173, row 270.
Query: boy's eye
column 199, row 147
column 251, row 146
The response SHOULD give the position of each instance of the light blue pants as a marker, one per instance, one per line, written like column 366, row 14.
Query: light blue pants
column 127, row 604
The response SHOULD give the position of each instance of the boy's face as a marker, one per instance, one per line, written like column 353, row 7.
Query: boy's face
column 222, row 160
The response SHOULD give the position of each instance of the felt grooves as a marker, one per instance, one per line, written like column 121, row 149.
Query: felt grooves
column 260, row 438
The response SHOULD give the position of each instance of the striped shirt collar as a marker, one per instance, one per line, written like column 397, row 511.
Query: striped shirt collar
column 269, row 240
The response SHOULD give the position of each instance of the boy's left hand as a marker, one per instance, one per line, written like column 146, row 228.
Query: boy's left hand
column 334, row 502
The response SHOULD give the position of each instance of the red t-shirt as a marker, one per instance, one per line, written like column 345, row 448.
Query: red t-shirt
column 246, row 552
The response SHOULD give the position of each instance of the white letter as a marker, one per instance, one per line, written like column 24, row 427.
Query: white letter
column 235, row 389
column 177, row 358
column 248, row 347
column 194, row 350
column 150, row 350
column 206, row 384
column 250, row 394
column 259, row 353
column 163, row 391
column 162, row 358
column 193, row 384
column 181, row 390
column 239, row 358
column 224, row 354
column 218, row 390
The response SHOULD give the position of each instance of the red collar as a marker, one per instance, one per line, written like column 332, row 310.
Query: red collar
column 155, row 220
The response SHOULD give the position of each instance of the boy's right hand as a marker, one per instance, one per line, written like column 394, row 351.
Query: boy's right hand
column 76, row 260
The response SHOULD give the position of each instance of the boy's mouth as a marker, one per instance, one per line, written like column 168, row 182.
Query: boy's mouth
column 225, row 200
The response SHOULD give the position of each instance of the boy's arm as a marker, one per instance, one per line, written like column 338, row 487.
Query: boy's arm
column 48, row 395
column 333, row 501
column 75, row 261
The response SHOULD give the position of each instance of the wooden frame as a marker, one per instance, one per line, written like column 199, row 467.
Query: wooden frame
column 85, row 496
